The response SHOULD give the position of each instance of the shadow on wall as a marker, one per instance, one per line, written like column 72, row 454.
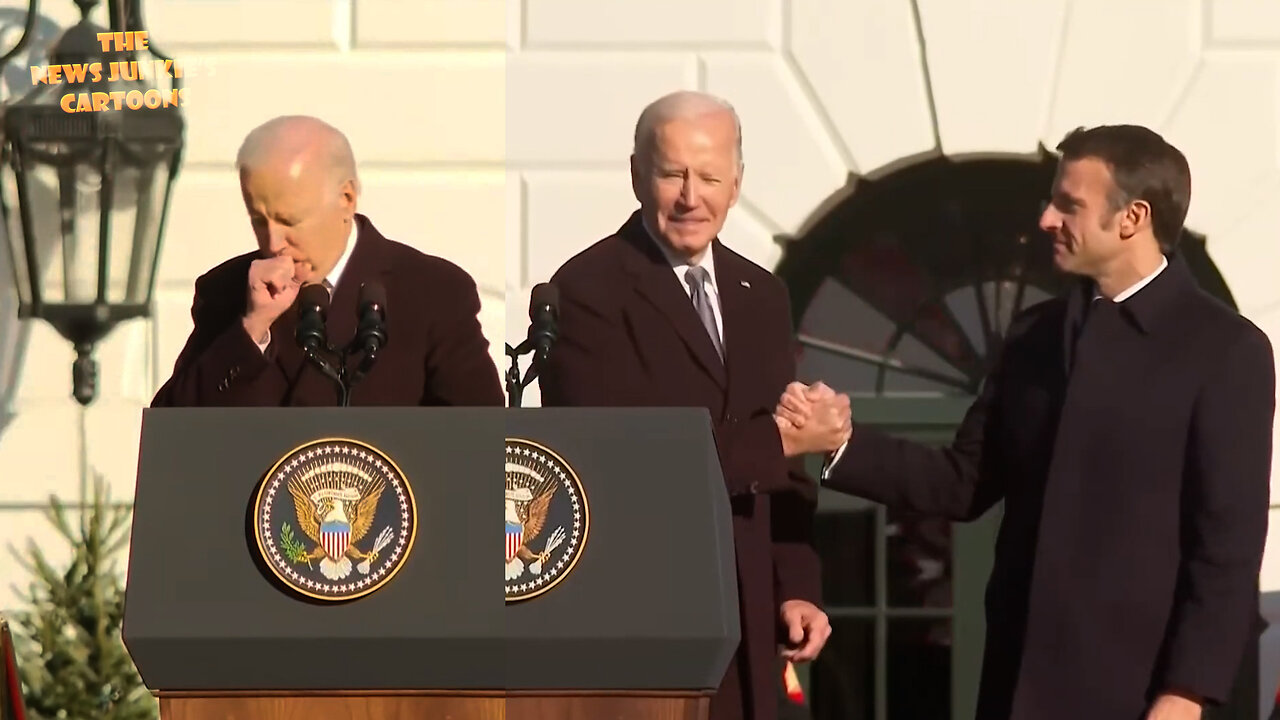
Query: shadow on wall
column 15, row 81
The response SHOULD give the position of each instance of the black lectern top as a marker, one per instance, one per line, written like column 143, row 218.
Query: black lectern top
column 348, row 549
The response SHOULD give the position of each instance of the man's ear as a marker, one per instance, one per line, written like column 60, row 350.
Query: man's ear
column 637, row 172
column 1135, row 219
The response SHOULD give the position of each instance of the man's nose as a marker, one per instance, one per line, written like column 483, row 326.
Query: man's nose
column 688, row 193
column 277, row 240
column 1050, row 219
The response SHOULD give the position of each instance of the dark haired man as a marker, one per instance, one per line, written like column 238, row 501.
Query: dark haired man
column 1127, row 428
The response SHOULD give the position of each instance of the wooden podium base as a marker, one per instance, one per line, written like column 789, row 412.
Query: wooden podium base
column 409, row 705
column 613, row 706
column 312, row 705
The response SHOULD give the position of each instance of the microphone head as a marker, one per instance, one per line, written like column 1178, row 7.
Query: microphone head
column 313, row 297
column 544, row 296
column 544, row 316
column 371, row 332
column 313, row 306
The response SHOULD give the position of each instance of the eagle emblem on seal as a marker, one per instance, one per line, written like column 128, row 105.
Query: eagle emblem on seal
column 335, row 508
column 546, row 519
column 526, row 515
column 335, row 519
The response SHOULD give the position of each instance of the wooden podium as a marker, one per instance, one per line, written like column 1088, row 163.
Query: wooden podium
column 421, row 704
column 636, row 616
column 318, row 704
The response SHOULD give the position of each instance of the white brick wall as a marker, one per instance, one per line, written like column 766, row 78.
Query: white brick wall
column 419, row 89
column 480, row 120
column 829, row 88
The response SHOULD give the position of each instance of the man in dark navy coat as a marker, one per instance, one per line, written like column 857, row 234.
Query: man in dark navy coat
column 1127, row 427
column 663, row 314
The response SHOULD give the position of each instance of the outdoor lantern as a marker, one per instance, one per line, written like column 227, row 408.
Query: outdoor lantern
column 84, row 193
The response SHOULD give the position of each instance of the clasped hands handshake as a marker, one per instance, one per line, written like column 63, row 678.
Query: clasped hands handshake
column 812, row 419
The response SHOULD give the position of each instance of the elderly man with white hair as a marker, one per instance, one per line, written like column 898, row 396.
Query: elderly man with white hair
column 300, row 188
column 663, row 313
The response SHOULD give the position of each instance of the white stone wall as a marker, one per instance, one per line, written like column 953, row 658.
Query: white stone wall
column 826, row 88
column 483, row 121
column 418, row 87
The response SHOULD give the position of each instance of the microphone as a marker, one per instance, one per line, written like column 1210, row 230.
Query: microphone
column 371, row 328
column 313, row 308
column 371, row 332
column 544, row 315
column 311, row 335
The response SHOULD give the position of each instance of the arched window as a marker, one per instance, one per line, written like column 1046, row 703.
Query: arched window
column 907, row 286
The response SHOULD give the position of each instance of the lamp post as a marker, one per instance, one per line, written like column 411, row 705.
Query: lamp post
column 85, row 194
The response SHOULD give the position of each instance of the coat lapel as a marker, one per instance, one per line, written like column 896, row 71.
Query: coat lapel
column 656, row 281
column 1151, row 309
column 284, row 347
column 365, row 265
column 1078, row 297
column 736, row 301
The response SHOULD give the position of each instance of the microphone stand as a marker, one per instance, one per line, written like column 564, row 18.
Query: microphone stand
column 344, row 387
column 516, row 384
column 341, row 377
column 338, row 376
column 366, row 364
column 369, row 338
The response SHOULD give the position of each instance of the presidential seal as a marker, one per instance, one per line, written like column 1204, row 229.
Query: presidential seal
column 547, row 519
column 335, row 519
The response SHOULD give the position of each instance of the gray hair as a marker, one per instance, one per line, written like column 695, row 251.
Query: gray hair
column 683, row 105
column 298, row 134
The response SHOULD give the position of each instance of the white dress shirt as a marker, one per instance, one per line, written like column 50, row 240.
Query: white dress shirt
column 1134, row 288
column 334, row 275
column 681, row 266
column 1128, row 293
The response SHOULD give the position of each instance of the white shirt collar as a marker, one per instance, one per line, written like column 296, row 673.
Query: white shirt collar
column 336, row 273
column 1134, row 288
column 681, row 265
